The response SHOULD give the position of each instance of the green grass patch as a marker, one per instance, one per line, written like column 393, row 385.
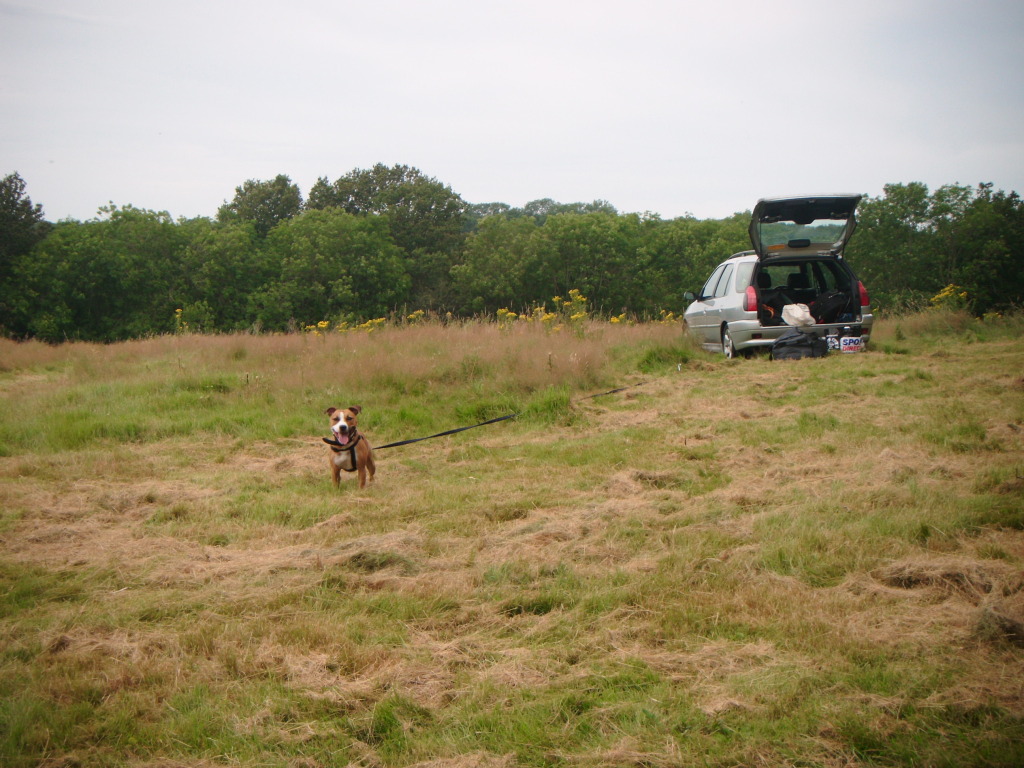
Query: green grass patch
column 743, row 564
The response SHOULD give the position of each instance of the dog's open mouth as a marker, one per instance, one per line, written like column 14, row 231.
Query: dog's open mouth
column 341, row 438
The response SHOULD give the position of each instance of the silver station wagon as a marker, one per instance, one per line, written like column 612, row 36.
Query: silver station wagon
column 797, row 259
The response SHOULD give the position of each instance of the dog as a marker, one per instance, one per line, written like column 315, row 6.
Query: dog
column 350, row 450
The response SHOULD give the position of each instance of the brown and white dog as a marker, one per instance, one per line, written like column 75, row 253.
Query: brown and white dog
column 350, row 450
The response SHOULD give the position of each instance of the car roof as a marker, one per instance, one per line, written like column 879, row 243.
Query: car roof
column 743, row 256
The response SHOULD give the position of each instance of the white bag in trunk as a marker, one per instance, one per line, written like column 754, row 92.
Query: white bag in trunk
column 797, row 315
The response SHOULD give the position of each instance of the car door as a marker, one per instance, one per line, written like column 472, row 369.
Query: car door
column 717, row 304
column 697, row 313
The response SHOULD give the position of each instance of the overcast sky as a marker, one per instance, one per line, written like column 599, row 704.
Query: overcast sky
column 668, row 106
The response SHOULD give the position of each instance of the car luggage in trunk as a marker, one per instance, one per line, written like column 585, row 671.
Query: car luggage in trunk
column 828, row 307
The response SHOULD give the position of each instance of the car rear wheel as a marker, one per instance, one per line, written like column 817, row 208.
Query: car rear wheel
column 728, row 348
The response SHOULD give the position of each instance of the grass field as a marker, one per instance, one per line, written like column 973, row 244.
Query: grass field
column 811, row 563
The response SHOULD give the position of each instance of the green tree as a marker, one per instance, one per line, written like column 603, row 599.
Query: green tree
column 147, row 248
column 21, row 227
column 73, row 285
column 895, row 251
column 223, row 266
column 947, row 207
column 330, row 265
column 911, row 244
column 477, row 212
column 538, row 210
column 264, row 203
column 322, row 195
column 496, row 261
column 541, row 209
column 597, row 253
column 684, row 251
column 21, row 221
column 991, row 251
column 424, row 215
column 106, row 279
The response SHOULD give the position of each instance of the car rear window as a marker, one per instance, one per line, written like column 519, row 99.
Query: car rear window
column 823, row 275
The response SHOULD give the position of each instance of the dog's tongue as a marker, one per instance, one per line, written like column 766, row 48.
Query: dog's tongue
column 342, row 438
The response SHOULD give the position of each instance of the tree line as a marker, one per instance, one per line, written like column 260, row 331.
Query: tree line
column 390, row 240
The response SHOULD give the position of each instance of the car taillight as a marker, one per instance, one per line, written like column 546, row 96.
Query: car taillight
column 751, row 305
column 864, row 300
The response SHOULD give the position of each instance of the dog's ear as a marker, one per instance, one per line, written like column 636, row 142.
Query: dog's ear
column 355, row 409
column 330, row 411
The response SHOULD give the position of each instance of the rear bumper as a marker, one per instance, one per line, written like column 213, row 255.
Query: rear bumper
column 750, row 334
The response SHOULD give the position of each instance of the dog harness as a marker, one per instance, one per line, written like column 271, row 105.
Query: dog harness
column 340, row 448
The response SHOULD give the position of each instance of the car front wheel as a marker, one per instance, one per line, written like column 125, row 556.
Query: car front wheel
column 728, row 348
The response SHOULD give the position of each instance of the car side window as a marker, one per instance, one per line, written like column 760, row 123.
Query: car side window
column 744, row 272
column 709, row 287
column 723, row 283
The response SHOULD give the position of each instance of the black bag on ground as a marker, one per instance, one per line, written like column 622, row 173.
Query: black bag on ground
column 794, row 344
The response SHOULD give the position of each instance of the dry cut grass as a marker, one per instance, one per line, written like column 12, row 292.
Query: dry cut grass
column 732, row 563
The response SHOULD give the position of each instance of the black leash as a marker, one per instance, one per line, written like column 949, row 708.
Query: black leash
column 613, row 391
column 485, row 423
column 449, row 432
